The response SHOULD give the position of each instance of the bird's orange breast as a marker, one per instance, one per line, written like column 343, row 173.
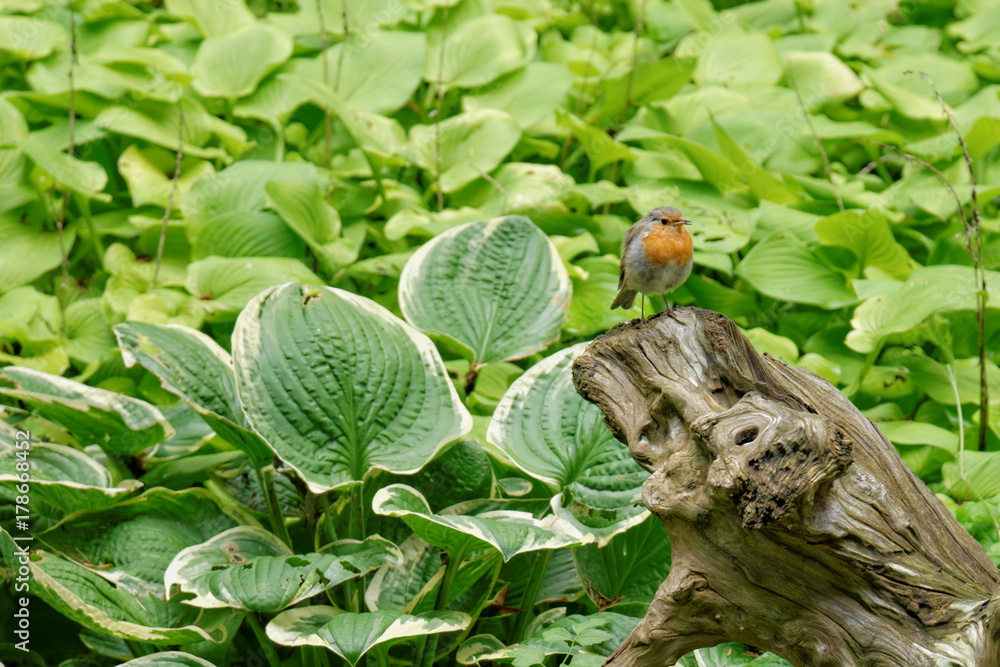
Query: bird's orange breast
column 668, row 243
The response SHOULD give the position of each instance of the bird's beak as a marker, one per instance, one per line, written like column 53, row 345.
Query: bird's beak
column 684, row 221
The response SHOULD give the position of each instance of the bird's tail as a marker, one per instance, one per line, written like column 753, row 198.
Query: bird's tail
column 625, row 299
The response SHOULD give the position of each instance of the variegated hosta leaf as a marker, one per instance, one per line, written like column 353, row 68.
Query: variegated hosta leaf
column 196, row 368
column 118, row 423
column 498, row 288
column 352, row 635
column 552, row 434
column 630, row 567
column 589, row 639
column 168, row 659
column 339, row 386
column 78, row 593
column 133, row 542
column 65, row 478
column 508, row 531
column 248, row 568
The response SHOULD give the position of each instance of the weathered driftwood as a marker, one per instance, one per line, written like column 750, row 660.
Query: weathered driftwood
column 794, row 525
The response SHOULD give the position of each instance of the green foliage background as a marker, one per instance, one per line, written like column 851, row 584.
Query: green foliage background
column 328, row 143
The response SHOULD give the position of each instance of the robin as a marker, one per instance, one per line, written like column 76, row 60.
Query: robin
column 656, row 256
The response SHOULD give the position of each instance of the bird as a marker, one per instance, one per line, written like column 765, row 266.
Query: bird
column 656, row 257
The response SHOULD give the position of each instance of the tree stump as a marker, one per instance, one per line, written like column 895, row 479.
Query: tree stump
column 794, row 524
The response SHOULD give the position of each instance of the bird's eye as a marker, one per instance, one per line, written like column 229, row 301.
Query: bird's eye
column 664, row 221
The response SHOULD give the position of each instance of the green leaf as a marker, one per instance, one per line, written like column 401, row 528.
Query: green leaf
column 478, row 51
column 364, row 390
column 982, row 476
column 630, row 567
column 93, row 416
column 168, row 659
column 249, row 568
column 784, row 268
column 132, row 542
column 724, row 60
column 225, row 67
column 66, row 479
column 601, row 149
column 88, row 335
column 241, row 187
column 498, row 288
column 86, row 598
column 351, row 635
column 471, row 144
column 82, row 177
column 379, row 71
column 919, row 433
column 548, row 430
column 906, row 304
column 27, row 253
column 510, row 532
column 868, row 236
column 244, row 234
column 529, row 95
column 212, row 20
column 29, row 37
column 149, row 174
column 227, row 284
column 820, row 78
column 762, row 184
column 194, row 367
column 157, row 122
column 304, row 209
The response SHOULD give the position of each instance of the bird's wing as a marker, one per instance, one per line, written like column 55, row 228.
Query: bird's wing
column 630, row 235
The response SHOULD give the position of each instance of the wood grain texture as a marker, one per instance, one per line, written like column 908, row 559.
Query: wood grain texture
column 794, row 524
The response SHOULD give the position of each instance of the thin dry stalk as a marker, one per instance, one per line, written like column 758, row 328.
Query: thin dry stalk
column 440, row 106
column 61, row 218
column 974, row 243
column 327, row 117
column 173, row 191
column 819, row 143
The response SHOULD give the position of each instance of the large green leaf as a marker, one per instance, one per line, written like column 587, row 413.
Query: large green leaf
column 529, row 95
column 27, row 253
column 212, row 19
column 169, row 659
column 471, row 144
column 66, row 478
column 723, row 61
column 499, row 288
column 193, row 366
column 149, row 174
column 868, row 236
column 227, row 284
column 548, row 431
column 249, row 568
column 362, row 390
column 510, row 532
column 906, row 304
column 133, row 542
column 118, row 423
column 379, row 71
column 225, row 67
column 244, row 234
column 478, row 51
column 83, row 596
column 630, row 567
column 302, row 207
column 80, row 176
column 784, row 268
column 351, row 636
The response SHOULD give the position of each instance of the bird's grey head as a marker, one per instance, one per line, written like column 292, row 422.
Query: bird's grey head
column 666, row 215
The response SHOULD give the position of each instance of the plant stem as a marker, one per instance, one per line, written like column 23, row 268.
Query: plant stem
column 265, row 643
column 450, row 573
column 327, row 118
column 273, row 506
column 440, row 105
column 324, row 502
column 137, row 649
column 531, row 594
column 84, row 204
column 173, row 192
